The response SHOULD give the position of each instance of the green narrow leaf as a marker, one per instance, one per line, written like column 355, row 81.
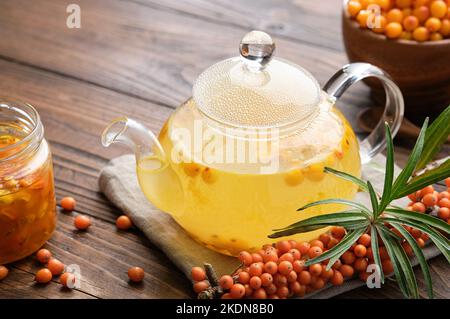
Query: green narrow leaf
column 399, row 276
column 336, row 252
column 435, row 136
column 420, row 258
column 410, row 166
column 373, row 199
column 362, row 184
column 376, row 250
column 336, row 201
column 349, row 219
column 427, row 178
column 389, row 176
column 434, row 235
column 423, row 218
column 443, row 250
column 388, row 231
column 406, row 267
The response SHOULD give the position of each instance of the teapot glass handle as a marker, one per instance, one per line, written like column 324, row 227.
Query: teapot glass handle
column 393, row 112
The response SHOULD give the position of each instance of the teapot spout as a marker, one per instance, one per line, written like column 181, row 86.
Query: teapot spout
column 136, row 136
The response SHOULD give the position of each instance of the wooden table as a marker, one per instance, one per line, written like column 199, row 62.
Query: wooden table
column 140, row 58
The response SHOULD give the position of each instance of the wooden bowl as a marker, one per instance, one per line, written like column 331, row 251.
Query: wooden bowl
column 421, row 70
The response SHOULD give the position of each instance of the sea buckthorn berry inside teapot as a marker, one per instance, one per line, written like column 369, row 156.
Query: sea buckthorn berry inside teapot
column 239, row 157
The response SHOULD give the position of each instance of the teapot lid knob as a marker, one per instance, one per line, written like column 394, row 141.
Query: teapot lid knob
column 257, row 48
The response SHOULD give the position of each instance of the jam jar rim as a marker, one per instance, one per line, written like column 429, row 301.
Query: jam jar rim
column 34, row 136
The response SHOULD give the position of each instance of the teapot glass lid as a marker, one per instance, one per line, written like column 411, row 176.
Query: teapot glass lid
column 256, row 90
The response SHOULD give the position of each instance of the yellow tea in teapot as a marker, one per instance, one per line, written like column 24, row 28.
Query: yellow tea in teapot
column 230, row 208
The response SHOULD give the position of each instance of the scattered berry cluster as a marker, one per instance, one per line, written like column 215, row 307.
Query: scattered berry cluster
column 54, row 267
column 279, row 271
column 419, row 20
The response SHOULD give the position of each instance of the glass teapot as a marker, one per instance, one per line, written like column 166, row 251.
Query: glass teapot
column 238, row 159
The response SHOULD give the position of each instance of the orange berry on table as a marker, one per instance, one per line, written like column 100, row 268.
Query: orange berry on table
column 286, row 257
column 226, row 281
column 353, row 8
column 226, row 296
column 364, row 240
column 422, row 13
column 280, row 280
column 200, row 286
column 198, row 274
column 326, row 274
column 418, row 207
column 283, row 247
column 433, row 25
column 337, row 232
column 444, row 213
column 237, row 291
column 316, row 243
column 394, row 15
column 292, row 276
column 360, row 264
column 259, row 294
column 337, row 278
column 3, row 272
column 124, row 222
column 333, row 242
column 360, row 250
column 245, row 257
column 271, row 267
column 438, row 9
column 393, row 30
column 420, row 242
column 444, row 194
column 266, row 279
column 410, row 23
column 243, row 277
column 408, row 249
column 304, row 277
column 447, row 180
column 136, row 274
column 285, row 267
column 283, row 292
column 324, row 239
column 383, row 253
column 347, row 271
column 248, row 290
column 298, row 265
column 67, row 280
column 255, row 283
column 271, row 289
column 430, row 200
column 303, row 247
column 68, row 203
column 315, row 269
column 295, row 253
column 256, row 258
column 43, row 276
column 314, row 252
column 444, row 202
column 56, row 267
column 82, row 222
column 255, row 269
column 43, row 256
column 348, row 258
column 387, row 266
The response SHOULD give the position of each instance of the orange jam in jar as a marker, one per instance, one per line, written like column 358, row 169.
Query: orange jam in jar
column 27, row 196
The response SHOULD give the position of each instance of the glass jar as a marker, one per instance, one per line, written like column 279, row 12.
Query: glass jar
column 27, row 196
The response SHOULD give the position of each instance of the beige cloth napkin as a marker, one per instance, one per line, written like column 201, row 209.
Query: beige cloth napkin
column 119, row 183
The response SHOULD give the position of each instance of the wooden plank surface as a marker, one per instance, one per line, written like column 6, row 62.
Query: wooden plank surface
column 140, row 58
